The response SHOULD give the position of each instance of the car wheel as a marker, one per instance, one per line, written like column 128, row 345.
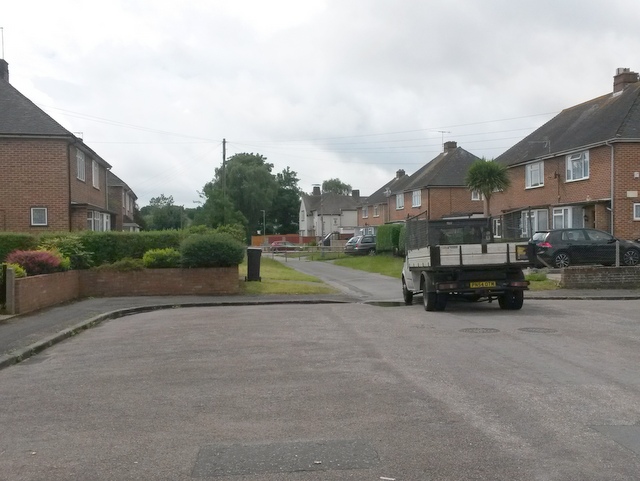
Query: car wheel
column 511, row 300
column 561, row 259
column 631, row 257
column 406, row 294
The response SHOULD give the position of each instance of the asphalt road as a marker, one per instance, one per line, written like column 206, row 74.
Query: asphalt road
column 333, row 392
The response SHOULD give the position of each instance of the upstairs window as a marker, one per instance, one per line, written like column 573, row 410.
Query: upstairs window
column 375, row 211
column 534, row 175
column 39, row 216
column 577, row 166
column 476, row 195
column 416, row 200
column 96, row 174
column 365, row 212
column 399, row 201
column 80, row 165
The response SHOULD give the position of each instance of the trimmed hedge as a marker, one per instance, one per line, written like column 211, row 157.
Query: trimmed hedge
column 387, row 237
column 112, row 246
column 10, row 242
column 211, row 250
column 161, row 258
column 402, row 240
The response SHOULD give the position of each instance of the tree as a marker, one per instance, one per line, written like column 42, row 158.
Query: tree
column 336, row 186
column 286, row 206
column 241, row 191
column 161, row 214
column 487, row 177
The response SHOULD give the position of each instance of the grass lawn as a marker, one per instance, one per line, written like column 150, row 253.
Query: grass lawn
column 277, row 278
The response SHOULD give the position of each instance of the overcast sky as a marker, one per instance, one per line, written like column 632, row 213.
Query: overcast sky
column 354, row 89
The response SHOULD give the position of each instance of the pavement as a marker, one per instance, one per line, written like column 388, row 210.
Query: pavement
column 22, row 336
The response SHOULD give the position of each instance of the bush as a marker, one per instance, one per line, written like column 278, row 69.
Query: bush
column 37, row 262
column 10, row 242
column 70, row 247
column 387, row 237
column 109, row 247
column 123, row 265
column 237, row 231
column 402, row 240
column 161, row 258
column 17, row 270
column 211, row 250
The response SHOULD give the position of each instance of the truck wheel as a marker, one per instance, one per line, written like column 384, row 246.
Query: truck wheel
column 430, row 300
column 511, row 300
column 406, row 294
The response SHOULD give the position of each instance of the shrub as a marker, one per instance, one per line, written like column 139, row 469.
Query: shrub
column 109, row 247
column 387, row 237
column 402, row 240
column 161, row 258
column 237, row 231
column 17, row 271
column 70, row 247
column 123, row 265
column 211, row 250
column 37, row 262
column 10, row 242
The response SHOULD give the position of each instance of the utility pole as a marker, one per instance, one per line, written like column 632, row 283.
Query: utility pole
column 224, row 181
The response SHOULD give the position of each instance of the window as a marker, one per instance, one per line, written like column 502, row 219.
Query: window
column 96, row 174
column 534, row 220
column 399, row 201
column 636, row 211
column 534, row 175
column 577, row 166
column 476, row 195
column 375, row 211
column 38, row 216
column 80, row 165
column 564, row 217
column 365, row 211
column 417, row 199
column 98, row 221
column 497, row 227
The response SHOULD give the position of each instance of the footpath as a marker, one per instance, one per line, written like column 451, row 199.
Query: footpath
column 23, row 336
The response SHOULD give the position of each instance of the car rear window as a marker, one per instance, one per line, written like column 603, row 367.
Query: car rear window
column 540, row 236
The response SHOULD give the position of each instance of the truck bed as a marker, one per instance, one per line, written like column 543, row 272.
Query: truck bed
column 493, row 254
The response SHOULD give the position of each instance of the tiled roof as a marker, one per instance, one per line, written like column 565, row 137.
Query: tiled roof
column 609, row 117
column 449, row 169
column 395, row 185
column 20, row 116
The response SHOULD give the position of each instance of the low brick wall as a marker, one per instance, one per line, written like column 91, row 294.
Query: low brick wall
column 37, row 292
column 592, row 277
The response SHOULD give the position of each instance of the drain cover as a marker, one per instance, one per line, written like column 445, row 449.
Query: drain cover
column 287, row 457
column 542, row 330
column 480, row 330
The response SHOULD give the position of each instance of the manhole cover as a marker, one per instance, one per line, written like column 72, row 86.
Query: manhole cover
column 480, row 330
column 542, row 330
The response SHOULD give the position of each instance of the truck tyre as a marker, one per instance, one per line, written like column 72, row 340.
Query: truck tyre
column 511, row 300
column 406, row 293
column 432, row 300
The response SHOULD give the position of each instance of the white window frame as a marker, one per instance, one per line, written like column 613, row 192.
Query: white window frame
column 497, row 227
column 636, row 211
column 416, row 198
column 365, row 212
column 476, row 195
column 539, row 221
column 81, row 166
column 577, row 162
column 534, row 175
column 95, row 171
column 375, row 211
column 400, row 201
column 36, row 212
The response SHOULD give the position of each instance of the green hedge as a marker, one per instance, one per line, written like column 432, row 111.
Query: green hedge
column 211, row 250
column 10, row 242
column 402, row 240
column 109, row 247
column 387, row 238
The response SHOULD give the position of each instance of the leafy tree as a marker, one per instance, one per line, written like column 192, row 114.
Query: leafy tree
column 487, row 177
column 286, row 206
column 161, row 214
column 240, row 192
column 336, row 186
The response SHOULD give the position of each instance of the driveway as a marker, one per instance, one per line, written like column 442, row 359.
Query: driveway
column 333, row 392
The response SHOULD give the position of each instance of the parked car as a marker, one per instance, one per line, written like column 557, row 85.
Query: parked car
column 362, row 244
column 565, row 247
column 282, row 246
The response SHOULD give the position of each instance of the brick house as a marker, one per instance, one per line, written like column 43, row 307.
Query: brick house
column 438, row 188
column 582, row 168
column 375, row 209
column 122, row 203
column 51, row 180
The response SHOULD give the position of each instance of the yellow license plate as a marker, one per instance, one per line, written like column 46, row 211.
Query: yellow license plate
column 482, row 284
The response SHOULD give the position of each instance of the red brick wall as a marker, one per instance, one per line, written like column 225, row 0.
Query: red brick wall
column 83, row 191
column 626, row 190
column 452, row 200
column 35, row 174
column 38, row 292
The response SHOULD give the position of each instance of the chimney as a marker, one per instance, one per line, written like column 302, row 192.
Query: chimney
column 316, row 190
column 4, row 70
column 622, row 78
column 355, row 194
column 450, row 146
column 399, row 173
